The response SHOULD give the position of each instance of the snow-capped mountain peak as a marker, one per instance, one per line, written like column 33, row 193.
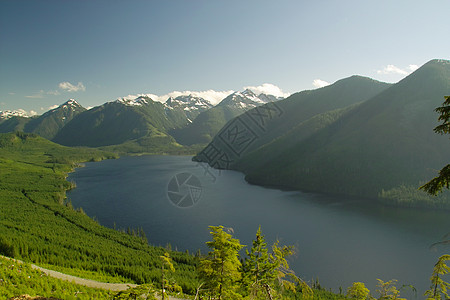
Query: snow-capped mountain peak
column 139, row 101
column 247, row 99
column 188, row 103
column 69, row 104
column 248, row 93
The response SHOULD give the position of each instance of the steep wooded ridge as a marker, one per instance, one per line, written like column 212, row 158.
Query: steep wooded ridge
column 384, row 142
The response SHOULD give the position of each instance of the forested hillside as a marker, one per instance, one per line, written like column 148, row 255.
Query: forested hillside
column 380, row 144
column 38, row 225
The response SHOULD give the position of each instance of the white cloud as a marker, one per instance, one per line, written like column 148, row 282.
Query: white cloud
column 23, row 112
column 392, row 73
column 412, row 68
column 319, row 83
column 11, row 93
column 53, row 106
column 65, row 85
column 54, row 93
column 267, row 88
column 391, row 69
column 38, row 95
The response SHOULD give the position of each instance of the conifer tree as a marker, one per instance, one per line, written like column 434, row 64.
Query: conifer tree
column 442, row 181
column 220, row 269
column 438, row 285
column 166, row 266
column 358, row 291
column 266, row 273
column 259, row 271
column 388, row 290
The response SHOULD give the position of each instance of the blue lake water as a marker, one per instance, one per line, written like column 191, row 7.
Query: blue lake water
column 339, row 240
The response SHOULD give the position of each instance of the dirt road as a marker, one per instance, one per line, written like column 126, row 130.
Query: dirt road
column 115, row 287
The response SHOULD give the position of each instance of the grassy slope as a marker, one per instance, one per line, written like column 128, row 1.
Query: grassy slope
column 19, row 279
column 36, row 226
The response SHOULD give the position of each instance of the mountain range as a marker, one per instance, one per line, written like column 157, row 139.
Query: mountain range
column 131, row 124
column 342, row 139
column 357, row 136
column 203, row 128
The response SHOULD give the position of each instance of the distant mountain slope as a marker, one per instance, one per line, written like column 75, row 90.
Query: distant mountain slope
column 266, row 123
column 117, row 122
column 385, row 142
column 302, row 106
column 246, row 100
column 46, row 125
column 189, row 104
column 49, row 124
column 14, row 123
column 208, row 123
column 12, row 120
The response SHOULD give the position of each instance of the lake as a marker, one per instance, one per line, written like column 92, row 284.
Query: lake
column 339, row 240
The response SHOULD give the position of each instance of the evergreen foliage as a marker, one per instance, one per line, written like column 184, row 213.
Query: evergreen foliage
column 438, row 288
column 443, row 179
column 258, row 271
column 261, row 275
column 410, row 196
column 220, row 269
column 388, row 290
column 358, row 291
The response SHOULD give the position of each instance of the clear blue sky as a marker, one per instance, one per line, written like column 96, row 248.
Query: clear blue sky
column 96, row 51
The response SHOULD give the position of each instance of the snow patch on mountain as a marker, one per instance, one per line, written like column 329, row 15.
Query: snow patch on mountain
column 188, row 103
column 247, row 99
column 7, row 114
column 71, row 104
column 139, row 101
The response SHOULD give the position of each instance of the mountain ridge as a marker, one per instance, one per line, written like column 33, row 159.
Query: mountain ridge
column 208, row 123
column 379, row 144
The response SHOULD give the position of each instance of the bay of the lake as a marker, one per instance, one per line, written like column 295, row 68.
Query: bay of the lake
column 339, row 240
